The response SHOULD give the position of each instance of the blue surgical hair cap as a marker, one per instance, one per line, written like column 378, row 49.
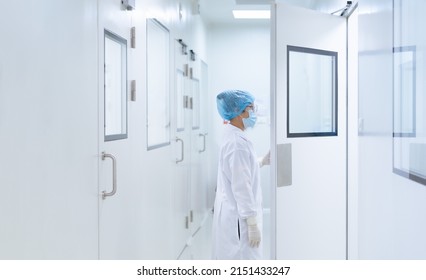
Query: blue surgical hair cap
column 231, row 103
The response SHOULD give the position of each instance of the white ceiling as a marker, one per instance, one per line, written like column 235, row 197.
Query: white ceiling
column 220, row 11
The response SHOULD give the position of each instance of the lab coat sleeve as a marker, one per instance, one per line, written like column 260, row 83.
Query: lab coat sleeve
column 241, row 169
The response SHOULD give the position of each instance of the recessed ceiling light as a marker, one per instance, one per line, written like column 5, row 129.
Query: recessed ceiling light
column 251, row 14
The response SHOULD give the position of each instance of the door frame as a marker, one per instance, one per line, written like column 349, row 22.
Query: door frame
column 351, row 134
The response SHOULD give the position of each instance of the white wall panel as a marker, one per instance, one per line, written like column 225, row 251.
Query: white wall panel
column 48, row 124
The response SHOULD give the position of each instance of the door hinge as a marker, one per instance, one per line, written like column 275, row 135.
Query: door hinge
column 191, row 73
column 133, row 37
column 185, row 70
column 190, row 103
column 133, row 90
column 191, row 216
column 187, row 222
column 187, row 102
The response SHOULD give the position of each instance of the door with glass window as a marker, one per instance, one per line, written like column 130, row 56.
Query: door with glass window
column 182, row 216
column 120, row 210
column 309, row 138
column 190, row 190
column 199, row 149
column 159, row 160
column 198, row 155
column 200, row 225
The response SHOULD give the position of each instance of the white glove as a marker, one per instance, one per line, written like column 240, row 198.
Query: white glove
column 253, row 232
column 266, row 160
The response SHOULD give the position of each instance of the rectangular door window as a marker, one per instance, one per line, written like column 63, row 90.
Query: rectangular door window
column 311, row 92
column 158, row 85
column 180, row 89
column 404, row 89
column 409, row 145
column 195, row 103
column 115, row 86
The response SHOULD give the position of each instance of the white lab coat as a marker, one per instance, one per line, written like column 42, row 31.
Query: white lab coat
column 238, row 196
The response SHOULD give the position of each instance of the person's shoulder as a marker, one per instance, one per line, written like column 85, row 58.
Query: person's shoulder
column 235, row 134
column 236, row 140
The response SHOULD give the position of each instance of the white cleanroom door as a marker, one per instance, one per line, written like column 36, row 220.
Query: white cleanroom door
column 309, row 136
column 199, row 147
column 121, row 220
column 181, row 217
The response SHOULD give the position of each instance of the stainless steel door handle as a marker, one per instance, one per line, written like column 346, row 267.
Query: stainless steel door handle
column 204, row 142
column 114, row 175
column 183, row 150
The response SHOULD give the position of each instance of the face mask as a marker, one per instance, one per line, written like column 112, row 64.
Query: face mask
column 251, row 120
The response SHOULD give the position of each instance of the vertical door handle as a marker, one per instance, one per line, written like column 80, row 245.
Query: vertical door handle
column 182, row 152
column 114, row 175
column 204, row 142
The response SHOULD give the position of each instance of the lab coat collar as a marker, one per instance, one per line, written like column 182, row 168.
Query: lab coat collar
column 236, row 130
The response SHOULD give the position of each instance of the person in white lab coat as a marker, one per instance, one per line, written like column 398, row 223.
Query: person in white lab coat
column 237, row 220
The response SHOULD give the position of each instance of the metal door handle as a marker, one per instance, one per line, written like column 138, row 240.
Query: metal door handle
column 114, row 175
column 204, row 142
column 182, row 152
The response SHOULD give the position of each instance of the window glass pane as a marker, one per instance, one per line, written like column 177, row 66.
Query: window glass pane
column 195, row 103
column 404, row 91
column 115, row 74
column 158, row 107
column 312, row 92
column 180, row 86
column 409, row 102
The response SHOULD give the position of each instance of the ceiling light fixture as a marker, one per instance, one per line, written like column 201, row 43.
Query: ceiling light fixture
column 251, row 14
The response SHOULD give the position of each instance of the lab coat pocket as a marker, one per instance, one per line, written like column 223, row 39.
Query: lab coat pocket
column 230, row 222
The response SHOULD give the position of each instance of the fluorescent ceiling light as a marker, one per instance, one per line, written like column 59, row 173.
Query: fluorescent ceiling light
column 251, row 14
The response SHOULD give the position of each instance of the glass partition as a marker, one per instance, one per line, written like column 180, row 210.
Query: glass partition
column 115, row 87
column 311, row 92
